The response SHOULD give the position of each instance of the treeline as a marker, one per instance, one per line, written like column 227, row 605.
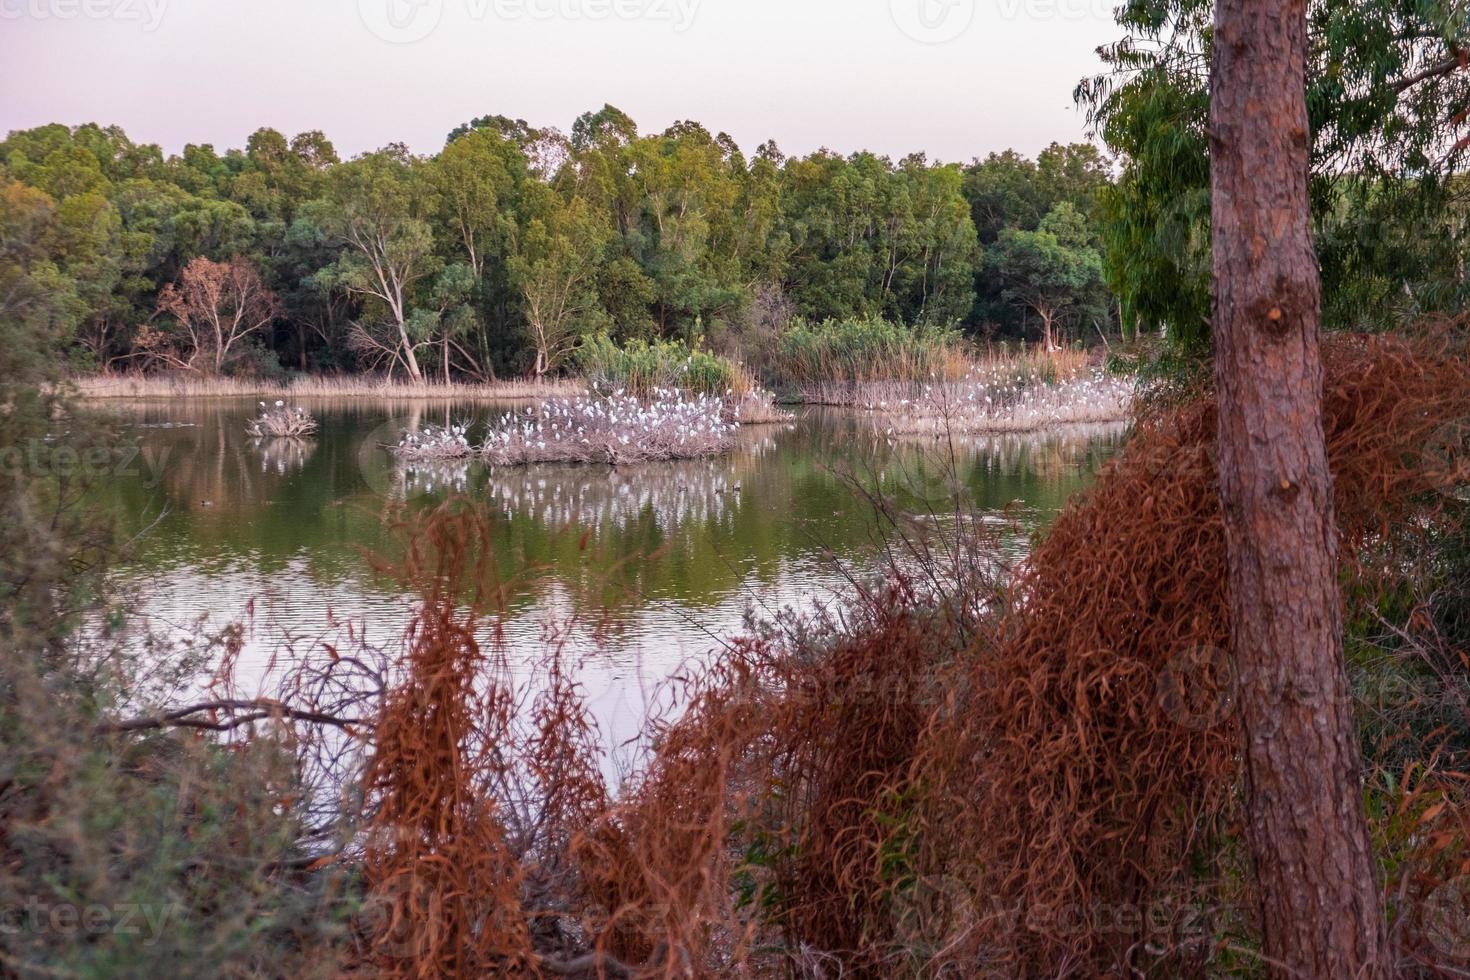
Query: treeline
column 502, row 252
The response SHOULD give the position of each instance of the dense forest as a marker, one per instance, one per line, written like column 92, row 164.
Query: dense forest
column 499, row 254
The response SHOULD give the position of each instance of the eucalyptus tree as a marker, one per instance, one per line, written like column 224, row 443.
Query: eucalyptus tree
column 379, row 210
column 871, row 239
column 1386, row 90
column 39, row 306
column 554, row 266
column 1053, row 272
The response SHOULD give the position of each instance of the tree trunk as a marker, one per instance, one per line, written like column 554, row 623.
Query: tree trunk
column 1320, row 905
column 410, row 362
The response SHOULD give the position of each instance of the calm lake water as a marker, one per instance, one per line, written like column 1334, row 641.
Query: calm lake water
column 650, row 562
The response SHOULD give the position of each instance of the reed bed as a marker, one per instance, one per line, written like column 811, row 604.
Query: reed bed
column 281, row 422
column 643, row 367
column 812, row 357
column 756, row 407
column 997, row 402
column 104, row 386
column 616, row 428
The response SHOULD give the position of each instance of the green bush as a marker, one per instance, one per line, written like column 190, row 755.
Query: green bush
column 641, row 366
column 871, row 349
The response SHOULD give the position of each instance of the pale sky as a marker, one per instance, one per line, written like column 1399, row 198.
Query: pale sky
column 954, row 78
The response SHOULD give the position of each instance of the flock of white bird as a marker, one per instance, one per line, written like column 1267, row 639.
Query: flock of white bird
column 994, row 403
column 280, row 421
column 615, row 428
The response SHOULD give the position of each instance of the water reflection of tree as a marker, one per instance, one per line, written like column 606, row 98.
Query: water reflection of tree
column 283, row 455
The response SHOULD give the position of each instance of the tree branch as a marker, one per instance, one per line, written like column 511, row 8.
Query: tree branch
column 256, row 710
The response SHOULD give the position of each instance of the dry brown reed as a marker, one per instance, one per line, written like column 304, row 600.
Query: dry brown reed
column 957, row 772
column 441, row 877
column 1058, row 797
column 137, row 385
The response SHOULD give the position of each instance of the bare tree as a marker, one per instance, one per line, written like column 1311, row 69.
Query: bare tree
column 1320, row 905
column 216, row 305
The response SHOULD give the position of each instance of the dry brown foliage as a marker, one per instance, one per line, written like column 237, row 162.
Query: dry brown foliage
column 441, row 876
column 216, row 305
column 1090, row 758
column 1058, row 798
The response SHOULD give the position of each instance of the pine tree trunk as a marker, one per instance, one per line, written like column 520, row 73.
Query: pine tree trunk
column 1320, row 905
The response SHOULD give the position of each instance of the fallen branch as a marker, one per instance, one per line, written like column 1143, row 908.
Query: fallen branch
column 257, row 710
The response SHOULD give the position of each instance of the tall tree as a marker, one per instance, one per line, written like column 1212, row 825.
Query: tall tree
column 1320, row 905
column 216, row 306
column 380, row 206
column 555, row 266
column 1387, row 89
column 1052, row 272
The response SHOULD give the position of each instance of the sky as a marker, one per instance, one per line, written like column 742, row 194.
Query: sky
column 953, row 78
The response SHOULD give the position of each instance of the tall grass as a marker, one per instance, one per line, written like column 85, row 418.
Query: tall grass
column 640, row 367
column 847, row 352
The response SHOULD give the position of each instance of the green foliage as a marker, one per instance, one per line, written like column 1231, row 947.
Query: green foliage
column 137, row 854
column 1386, row 91
column 640, row 366
column 866, row 349
column 1053, row 272
column 495, row 254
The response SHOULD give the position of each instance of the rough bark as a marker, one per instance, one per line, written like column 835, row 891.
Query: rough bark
column 1320, row 904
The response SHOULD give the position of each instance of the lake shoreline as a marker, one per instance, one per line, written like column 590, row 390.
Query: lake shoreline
column 142, row 387
column 124, row 388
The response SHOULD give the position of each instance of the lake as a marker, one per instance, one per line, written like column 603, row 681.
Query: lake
column 651, row 563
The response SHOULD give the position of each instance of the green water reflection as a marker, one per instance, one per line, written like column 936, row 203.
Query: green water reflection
column 665, row 553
